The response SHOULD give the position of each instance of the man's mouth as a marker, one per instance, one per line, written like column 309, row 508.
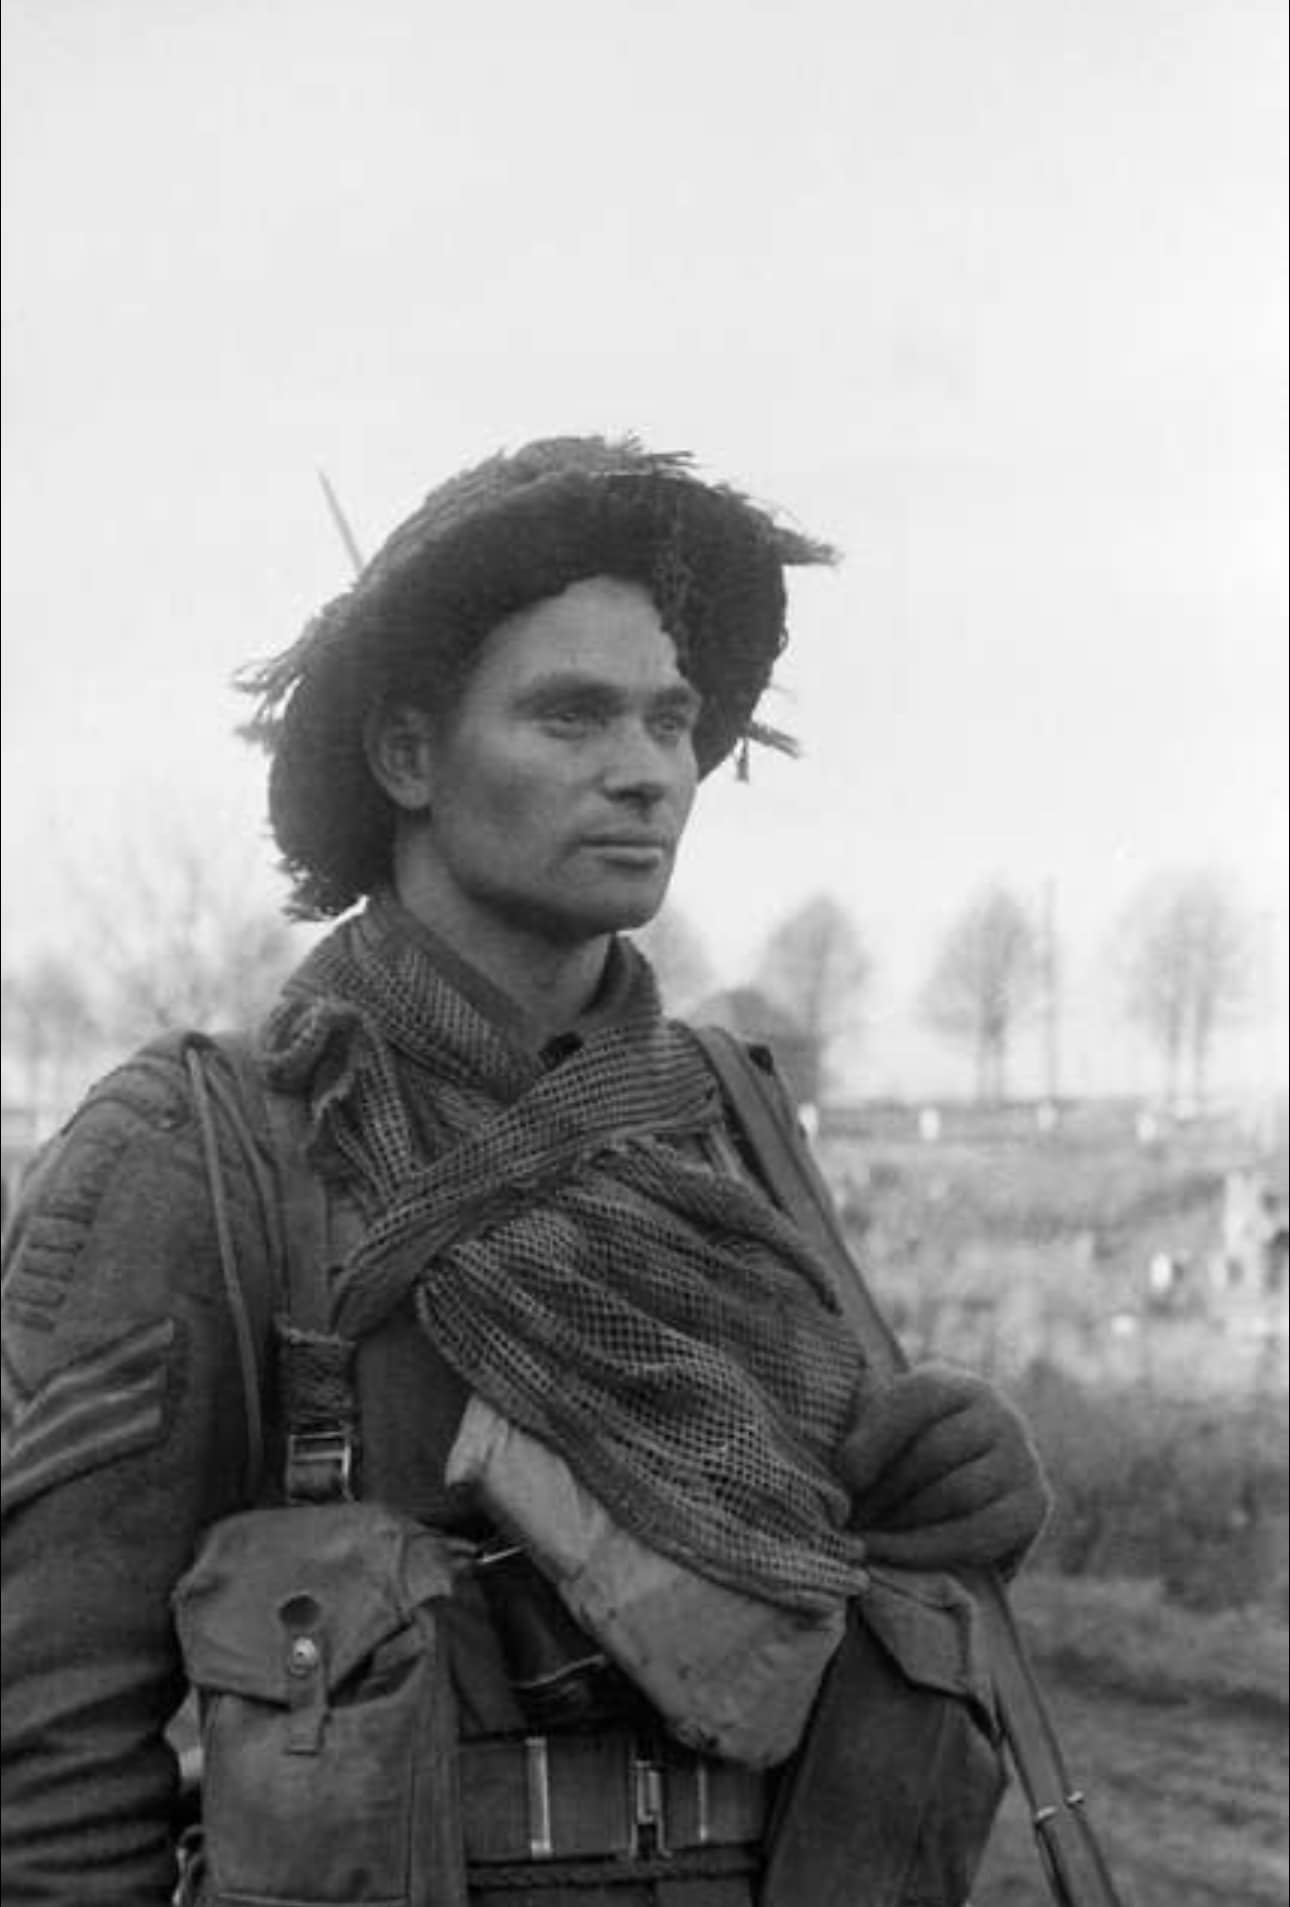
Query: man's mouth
column 631, row 850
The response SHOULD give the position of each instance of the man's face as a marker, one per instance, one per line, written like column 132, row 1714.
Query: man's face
column 560, row 786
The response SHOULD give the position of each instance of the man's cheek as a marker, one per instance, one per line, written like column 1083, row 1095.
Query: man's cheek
column 521, row 830
column 506, row 804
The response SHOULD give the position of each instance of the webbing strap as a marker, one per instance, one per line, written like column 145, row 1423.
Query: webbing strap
column 302, row 1199
column 1072, row 1858
column 293, row 1308
column 244, row 1333
column 315, row 1364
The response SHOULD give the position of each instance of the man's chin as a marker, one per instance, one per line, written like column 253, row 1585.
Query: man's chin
column 586, row 913
column 616, row 913
column 617, row 920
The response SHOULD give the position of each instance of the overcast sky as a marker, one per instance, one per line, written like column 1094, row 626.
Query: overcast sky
column 992, row 295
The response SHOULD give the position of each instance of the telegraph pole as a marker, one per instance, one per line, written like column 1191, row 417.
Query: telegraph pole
column 1049, row 980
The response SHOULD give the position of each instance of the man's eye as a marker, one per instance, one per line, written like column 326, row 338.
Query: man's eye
column 570, row 718
column 673, row 724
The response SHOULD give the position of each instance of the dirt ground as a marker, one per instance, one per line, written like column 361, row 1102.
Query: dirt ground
column 1189, row 1801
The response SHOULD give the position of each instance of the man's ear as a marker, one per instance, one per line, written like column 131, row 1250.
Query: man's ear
column 397, row 740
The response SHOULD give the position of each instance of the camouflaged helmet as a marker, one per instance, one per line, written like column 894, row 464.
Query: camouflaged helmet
column 497, row 538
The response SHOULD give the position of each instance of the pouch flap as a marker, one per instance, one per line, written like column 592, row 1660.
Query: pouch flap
column 348, row 1575
column 931, row 1627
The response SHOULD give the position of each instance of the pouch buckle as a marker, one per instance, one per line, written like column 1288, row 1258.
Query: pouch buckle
column 320, row 1466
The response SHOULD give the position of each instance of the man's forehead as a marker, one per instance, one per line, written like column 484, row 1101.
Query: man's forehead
column 601, row 627
column 587, row 604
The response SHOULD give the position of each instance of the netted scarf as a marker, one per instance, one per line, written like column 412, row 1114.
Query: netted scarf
column 576, row 1259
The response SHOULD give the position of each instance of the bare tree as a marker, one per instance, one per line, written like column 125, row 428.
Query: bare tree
column 183, row 934
column 679, row 959
column 1185, row 956
column 816, row 968
column 51, row 1030
column 167, row 927
column 984, row 980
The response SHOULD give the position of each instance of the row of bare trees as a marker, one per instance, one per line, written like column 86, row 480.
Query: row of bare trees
column 1183, row 958
column 1182, row 963
column 182, row 940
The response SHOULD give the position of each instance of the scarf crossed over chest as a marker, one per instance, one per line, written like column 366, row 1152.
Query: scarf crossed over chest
column 573, row 1255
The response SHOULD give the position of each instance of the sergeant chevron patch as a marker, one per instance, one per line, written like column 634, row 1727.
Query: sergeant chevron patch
column 89, row 1413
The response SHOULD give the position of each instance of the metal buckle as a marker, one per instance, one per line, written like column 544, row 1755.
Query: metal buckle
column 647, row 1807
column 537, row 1784
column 702, row 1804
column 320, row 1466
column 646, row 1803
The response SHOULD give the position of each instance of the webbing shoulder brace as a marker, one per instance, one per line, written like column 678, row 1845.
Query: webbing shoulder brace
column 288, row 1315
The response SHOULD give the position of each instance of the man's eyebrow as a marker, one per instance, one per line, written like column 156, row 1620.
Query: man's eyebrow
column 680, row 695
column 574, row 684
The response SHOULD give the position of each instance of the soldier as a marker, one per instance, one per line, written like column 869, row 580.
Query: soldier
column 550, row 1249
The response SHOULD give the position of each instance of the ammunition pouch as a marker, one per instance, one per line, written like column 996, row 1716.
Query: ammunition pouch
column 328, row 1722
column 891, row 1798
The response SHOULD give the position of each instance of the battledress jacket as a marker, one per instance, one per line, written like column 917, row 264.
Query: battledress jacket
column 124, row 1442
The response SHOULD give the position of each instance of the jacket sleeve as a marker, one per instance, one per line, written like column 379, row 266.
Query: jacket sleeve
column 123, row 1439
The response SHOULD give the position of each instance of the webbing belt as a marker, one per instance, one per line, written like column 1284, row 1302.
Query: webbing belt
column 601, row 1793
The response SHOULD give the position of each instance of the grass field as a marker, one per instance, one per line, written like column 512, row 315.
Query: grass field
column 1175, row 1726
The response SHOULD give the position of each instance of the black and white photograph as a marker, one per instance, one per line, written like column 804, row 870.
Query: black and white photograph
column 646, row 1109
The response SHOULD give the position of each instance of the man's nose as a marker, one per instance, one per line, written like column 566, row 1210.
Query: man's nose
column 640, row 767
